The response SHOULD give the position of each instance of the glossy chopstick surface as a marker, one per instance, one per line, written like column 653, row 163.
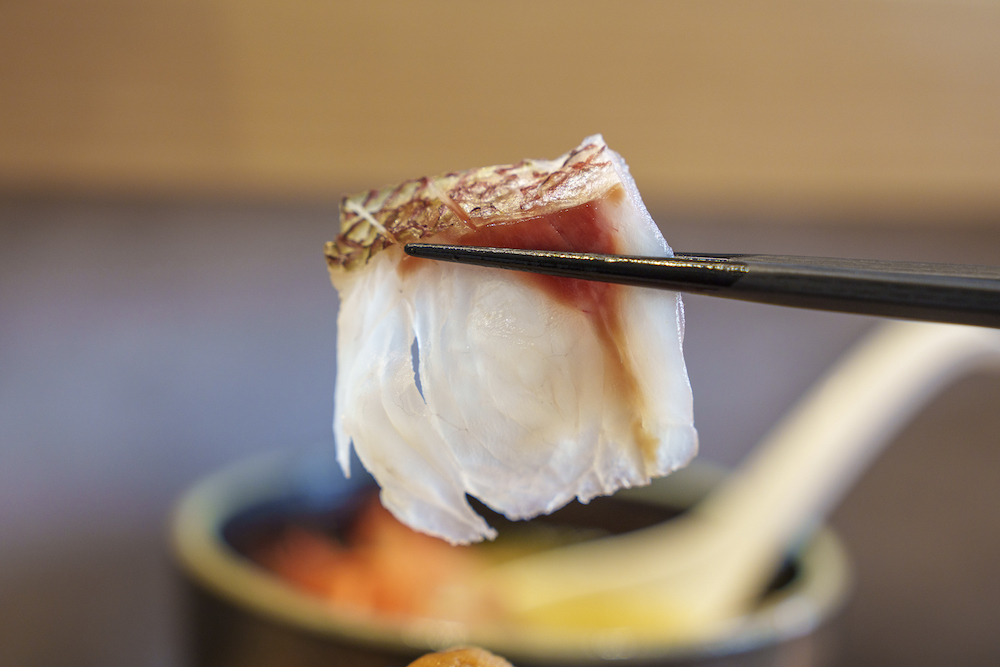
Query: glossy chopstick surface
column 956, row 293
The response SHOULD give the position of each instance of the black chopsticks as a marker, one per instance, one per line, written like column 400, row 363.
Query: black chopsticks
column 961, row 294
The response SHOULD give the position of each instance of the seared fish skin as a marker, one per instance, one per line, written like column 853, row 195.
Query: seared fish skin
column 419, row 208
column 527, row 391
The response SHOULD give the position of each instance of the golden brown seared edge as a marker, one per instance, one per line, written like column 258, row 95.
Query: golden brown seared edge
column 462, row 657
column 419, row 208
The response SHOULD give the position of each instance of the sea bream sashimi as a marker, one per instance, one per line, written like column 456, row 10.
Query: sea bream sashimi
column 521, row 390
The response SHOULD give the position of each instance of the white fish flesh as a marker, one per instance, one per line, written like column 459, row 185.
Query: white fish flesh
column 523, row 391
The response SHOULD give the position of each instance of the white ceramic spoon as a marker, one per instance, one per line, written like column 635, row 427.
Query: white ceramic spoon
column 705, row 569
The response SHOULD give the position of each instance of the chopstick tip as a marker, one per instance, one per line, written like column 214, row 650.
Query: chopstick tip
column 414, row 249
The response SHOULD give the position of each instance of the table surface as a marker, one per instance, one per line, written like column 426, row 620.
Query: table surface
column 144, row 344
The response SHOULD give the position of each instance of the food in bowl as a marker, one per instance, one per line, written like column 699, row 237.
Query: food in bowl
column 523, row 391
column 374, row 565
column 369, row 563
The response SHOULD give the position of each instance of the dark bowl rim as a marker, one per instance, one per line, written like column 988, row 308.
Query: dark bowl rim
column 209, row 561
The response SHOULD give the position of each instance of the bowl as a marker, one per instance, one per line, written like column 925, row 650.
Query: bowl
column 242, row 615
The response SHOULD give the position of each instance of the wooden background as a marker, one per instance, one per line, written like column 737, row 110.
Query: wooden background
column 830, row 109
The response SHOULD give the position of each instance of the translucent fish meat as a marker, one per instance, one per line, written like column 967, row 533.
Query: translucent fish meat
column 523, row 391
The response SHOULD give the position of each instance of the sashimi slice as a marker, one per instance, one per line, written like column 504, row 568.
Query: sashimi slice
column 523, row 391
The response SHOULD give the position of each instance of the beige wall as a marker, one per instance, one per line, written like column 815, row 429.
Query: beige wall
column 871, row 108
